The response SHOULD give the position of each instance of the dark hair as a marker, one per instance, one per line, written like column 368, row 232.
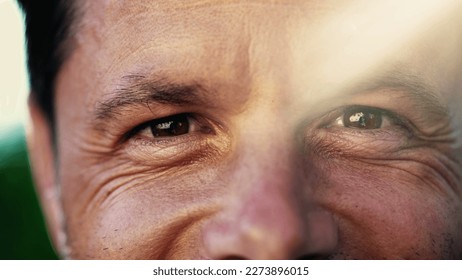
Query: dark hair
column 48, row 32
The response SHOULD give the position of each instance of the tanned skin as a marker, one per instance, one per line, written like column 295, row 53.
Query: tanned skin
column 256, row 130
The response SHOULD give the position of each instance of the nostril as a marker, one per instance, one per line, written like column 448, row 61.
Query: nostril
column 234, row 258
column 313, row 257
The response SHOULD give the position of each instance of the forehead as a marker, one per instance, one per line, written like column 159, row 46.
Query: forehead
column 320, row 28
column 290, row 43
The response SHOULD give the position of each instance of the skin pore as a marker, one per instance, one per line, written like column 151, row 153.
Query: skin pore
column 256, row 130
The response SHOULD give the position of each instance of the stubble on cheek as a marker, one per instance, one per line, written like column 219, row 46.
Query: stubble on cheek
column 140, row 212
column 398, row 204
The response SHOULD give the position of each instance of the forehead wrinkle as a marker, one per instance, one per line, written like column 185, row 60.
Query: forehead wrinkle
column 137, row 89
column 108, row 14
column 191, row 4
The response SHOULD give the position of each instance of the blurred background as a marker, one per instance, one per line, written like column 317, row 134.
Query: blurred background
column 22, row 230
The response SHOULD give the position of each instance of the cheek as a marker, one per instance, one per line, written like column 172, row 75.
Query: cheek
column 139, row 215
column 386, row 211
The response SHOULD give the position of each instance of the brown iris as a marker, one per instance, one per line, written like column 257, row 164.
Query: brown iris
column 170, row 126
column 363, row 118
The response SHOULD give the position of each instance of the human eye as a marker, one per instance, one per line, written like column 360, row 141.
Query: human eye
column 170, row 128
column 359, row 130
column 366, row 118
column 171, row 138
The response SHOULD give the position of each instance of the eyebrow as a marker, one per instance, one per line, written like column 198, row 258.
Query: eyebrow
column 136, row 89
column 418, row 90
column 139, row 89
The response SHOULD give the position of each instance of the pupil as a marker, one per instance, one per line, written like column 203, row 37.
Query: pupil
column 170, row 126
column 363, row 118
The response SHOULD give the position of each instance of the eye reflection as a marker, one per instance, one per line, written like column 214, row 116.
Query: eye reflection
column 361, row 118
column 170, row 126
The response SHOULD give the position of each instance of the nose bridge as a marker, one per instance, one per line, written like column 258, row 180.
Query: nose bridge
column 268, row 212
column 263, row 207
column 266, row 136
column 266, row 161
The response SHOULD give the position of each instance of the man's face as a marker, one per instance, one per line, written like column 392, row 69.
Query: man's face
column 261, row 129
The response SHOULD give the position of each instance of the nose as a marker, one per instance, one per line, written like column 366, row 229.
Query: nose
column 269, row 212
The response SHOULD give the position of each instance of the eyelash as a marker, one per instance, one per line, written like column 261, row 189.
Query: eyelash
column 193, row 120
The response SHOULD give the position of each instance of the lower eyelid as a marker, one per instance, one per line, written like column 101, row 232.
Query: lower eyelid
column 175, row 152
column 339, row 141
column 159, row 152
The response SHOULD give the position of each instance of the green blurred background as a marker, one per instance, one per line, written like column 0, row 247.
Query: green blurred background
column 22, row 230
column 22, row 233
